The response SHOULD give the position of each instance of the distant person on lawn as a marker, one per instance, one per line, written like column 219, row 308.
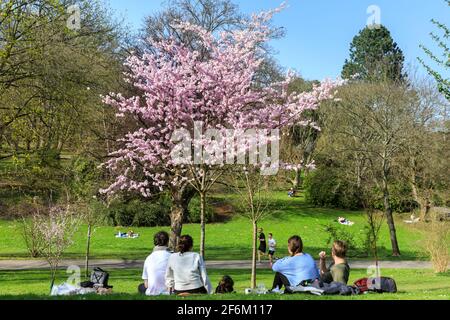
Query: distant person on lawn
column 292, row 193
column 293, row 270
column 155, row 267
column 272, row 248
column 186, row 271
column 339, row 270
column 262, row 244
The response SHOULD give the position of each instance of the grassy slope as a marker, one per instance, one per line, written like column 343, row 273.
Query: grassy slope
column 226, row 241
column 412, row 284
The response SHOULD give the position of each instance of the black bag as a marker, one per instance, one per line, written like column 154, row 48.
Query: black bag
column 99, row 277
column 382, row 285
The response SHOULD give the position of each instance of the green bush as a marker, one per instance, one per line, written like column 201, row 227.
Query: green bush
column 138, row 213
column 356, row 246
column 194, row 211
column 400, row 198
column 324, row 188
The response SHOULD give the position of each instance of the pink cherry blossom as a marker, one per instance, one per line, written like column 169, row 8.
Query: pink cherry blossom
column 179, row 88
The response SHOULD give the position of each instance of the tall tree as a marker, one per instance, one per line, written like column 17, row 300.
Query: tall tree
column 51, row 79
column 374, row 56
column 179, row 89
column 370, row 128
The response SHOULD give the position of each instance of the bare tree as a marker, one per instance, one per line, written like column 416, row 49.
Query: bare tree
column 372, row 121
column 424, row 156
column 203, row 179
column 57, row 231
column 251, row 187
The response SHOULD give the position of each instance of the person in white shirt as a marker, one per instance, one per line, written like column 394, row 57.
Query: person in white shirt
column 272, row 248
column 155, row 267
column 186, row 271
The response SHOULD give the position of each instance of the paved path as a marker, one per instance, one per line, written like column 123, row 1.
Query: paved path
column 126, row 264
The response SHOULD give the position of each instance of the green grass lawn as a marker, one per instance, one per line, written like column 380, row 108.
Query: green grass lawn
column 230, row 240
column 412, row 285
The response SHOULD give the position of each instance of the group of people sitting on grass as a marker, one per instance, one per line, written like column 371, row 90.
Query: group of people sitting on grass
column 184, row 272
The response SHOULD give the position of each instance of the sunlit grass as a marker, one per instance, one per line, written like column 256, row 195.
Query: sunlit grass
column 230, row 240
column 412, row 284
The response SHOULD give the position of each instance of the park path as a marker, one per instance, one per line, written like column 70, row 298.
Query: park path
column 16, row 265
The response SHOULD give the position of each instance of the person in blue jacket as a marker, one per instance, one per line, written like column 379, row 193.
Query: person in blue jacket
column 293, row 270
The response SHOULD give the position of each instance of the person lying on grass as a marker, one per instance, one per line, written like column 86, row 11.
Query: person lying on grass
column 339, row 270
column 154, row 274
column 293, row 270
column 186, row 271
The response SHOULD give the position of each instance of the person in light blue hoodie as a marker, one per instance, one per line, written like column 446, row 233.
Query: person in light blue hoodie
column 293, row 270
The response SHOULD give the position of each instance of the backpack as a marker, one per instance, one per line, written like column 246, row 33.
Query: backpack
column 379, row 285
column 99, row 278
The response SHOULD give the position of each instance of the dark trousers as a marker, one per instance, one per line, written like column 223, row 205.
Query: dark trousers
column 280, row 281
column 142, row 289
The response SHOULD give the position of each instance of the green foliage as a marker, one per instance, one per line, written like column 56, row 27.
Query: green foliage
column 138, row 213
column 400, row 198
column 85, row 176
column 194, row 211
column 41, row 173
column 356, row 246
column 374, row 56
column 324, row 188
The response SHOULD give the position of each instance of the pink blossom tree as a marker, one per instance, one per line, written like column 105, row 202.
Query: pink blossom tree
column 179, row 90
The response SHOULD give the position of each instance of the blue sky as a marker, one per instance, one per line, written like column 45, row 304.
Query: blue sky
column 319, row 32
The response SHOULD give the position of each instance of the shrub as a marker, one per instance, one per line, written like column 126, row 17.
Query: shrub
column 138, row 213
column 153, row 214
column 194, row 211
column 32, row 236
column 401, row 200
column 437, row 244
column 324, row 188
column 338, row 232
column 32, row 214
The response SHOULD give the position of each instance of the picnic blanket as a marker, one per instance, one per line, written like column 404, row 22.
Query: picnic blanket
column 67, row 289
column 345, row 222
column 121, row 235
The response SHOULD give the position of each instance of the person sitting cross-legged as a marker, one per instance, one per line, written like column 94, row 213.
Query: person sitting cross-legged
column 186, row 271
column 339, row 270
column 155, row 267
column 293, row 270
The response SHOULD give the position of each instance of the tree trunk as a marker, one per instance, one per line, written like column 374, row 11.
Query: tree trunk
column 390, row 221
column 176, row 224
column 297, row 181
column 181, row 197
column 88, row 247
column 202, row 223
column 425, row 209
column 254, row 254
